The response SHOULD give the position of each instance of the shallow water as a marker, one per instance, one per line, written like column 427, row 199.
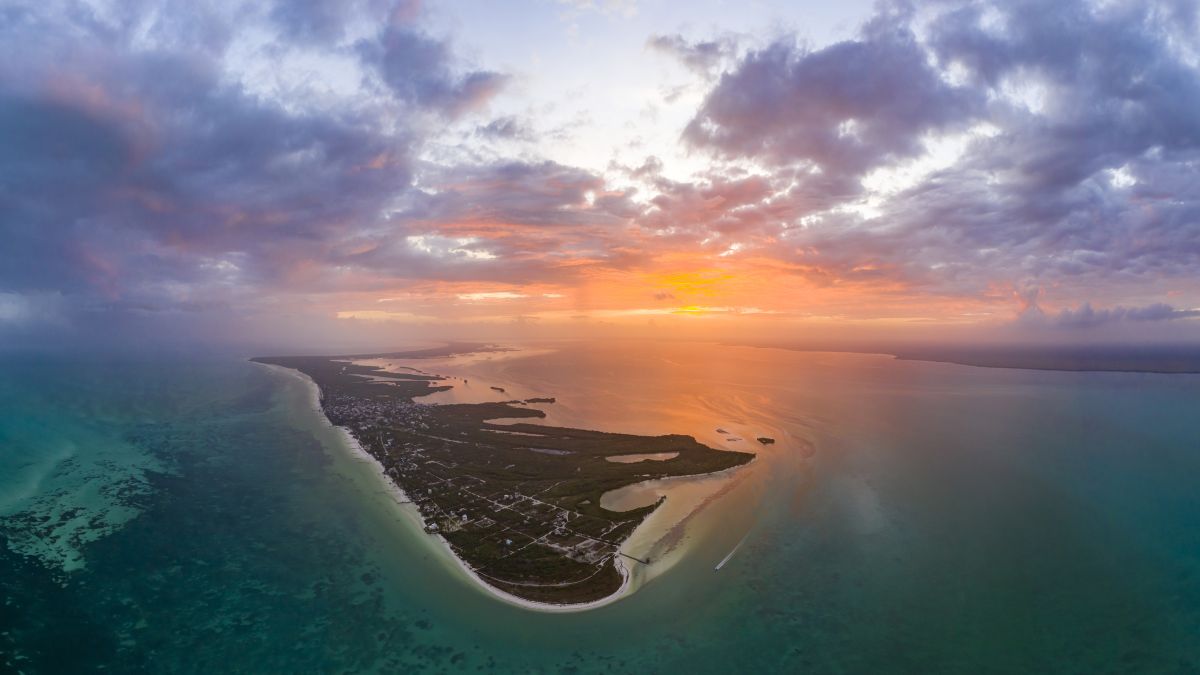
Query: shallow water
column 642, row 457
column 197, row 516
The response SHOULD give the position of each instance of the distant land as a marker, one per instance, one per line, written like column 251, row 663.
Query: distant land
column 518, row 503
column 1166, row 359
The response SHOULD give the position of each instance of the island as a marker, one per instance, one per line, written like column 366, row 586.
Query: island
column 518, row 503
column 1163, row 359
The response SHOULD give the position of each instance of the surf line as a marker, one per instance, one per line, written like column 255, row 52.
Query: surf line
column 735, row 550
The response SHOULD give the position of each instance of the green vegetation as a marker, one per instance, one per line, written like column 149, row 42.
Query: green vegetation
column 520, row 502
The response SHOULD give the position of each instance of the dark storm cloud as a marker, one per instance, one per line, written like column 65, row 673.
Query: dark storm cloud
column 193, row 166
column 54, row 164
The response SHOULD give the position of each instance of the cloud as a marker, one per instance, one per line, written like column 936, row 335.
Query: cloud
column 225, row 160
column 421, row 71
column 625, row 8
column 543, row 194
column 490, row 295
column 720, row 205
column 702, row 57
column 144, row 176
column 507, row 128
column 1038, row 105
column 1085, row 316
column 842, row 110
column 319, row 21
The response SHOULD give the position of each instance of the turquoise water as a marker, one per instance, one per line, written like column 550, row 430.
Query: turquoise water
column 194, row 515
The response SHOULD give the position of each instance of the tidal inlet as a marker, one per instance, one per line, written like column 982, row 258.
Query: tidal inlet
column 599, row 336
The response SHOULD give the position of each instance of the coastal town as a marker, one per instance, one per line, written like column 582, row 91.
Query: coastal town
column 519, row 503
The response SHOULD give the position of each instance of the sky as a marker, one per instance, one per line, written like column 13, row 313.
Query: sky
column 339, row 173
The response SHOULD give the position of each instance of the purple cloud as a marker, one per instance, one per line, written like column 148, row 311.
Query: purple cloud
column 1085, row 316
column 419, row 70
column 843, row 110
column 508, row 128
column 138, row 179
column 702, row 57
column 1084, row 173
column 965, row 152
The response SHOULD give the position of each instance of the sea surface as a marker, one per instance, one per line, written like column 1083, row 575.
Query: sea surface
column 197, row 515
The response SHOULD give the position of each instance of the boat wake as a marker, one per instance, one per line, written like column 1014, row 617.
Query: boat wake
column 730, row 555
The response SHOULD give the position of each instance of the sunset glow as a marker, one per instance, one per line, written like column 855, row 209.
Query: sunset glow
column 374, row 171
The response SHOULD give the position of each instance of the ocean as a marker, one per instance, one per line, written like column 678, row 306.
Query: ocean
column 197, row 515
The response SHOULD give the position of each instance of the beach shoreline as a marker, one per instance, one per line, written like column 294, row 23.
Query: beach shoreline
column 357, row 452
